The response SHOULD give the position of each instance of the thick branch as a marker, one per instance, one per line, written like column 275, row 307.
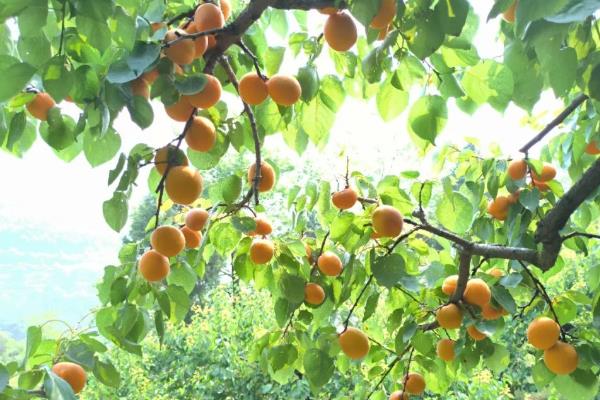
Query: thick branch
column 555, row 122
column 307, row 4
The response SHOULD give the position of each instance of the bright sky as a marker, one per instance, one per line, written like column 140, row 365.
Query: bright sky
column 54, row 242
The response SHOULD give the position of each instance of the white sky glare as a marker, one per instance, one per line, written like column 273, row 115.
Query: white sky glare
column 54, row 242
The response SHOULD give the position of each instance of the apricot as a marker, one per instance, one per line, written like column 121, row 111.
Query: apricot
column 387, row 221
column 212, row 41
column 72, row 373
column 308, row 251
column 490, row 313
column 475, row 333
column 398, row 395
column 344, row 199
column 200, row 42
column 477, row 292
column 182, row 52
column 517, row 169
column 592, row 148
column 415, row 384
column 263, row 227
column 314, row 294
column 496, row 272
column 225, row 8
column 385, row 15
column 548, row 173
column 201, row 134
column 354, row 343
column 330, row 264
column 261, row 251
column 253, row 90
column 209, row 95
column 192, row 238
column 183, row 185
column 208, row 16
column 340, row 31
column 169, row 154
column 167, row 240
column 541, row 186
column 181, row 110
column 154, row 266
column 562, row 358
column 267, row 177
column 40, row 105
column 509, row 14
column 196, row 218
column 543, row 333
column 449, row 316
column 449, row 285
column 445, row 349
column 139, row 87
column 284, row 90
column 498, row 208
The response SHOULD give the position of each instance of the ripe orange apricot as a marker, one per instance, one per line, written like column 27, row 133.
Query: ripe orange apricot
column 225, row 8
column 475, row 333
column 201, row 134
column 548, row 173
column 261, row 251
column 308, row 251
column 330, row 264
column 192, row 238
column 449, row 285
column 398, row 395
column 517, row 169
column 385, row 15
column 509, row 14
column 167, row 240
column 267, row 176
column 253, row 90
column 328, row 10
column 387, row 221
column 169, row 154
column 263, row 227
column 72, row 373
column 496, row 272
column 209, row 95
column 543, row 333
column 541, row 186
column 40, row 105
column 284, row 90
column 592, row 148
column 183, row 51
column 154, row 266
column 491, row 313
column 340, row 31
column 445, row 349
column 208, row 16
column 498, row 208
column 477, row 292
column 449, row 316
column 562, row 358
column 314, row 294
column 180, row 111
column 196, row 218
column 354, row 343
column 415, row 384
column 344, row 199
column 139, row 87
column 183, row 185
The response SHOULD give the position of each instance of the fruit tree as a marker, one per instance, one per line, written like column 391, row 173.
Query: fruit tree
column 411, row 278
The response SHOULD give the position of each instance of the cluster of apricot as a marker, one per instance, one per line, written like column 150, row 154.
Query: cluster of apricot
column 340, row 31
column 450, row 316
column 561, row 358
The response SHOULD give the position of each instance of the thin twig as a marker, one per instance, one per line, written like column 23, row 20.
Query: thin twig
column 583, row 234
column 62, row 27
column 253, row 57
column 389, row 368
column 347, row 320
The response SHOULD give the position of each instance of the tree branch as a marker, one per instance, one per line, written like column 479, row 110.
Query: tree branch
column 583, row 234
column 464, row 271
column 555, row 122
column 363, row 290
column 253, row 57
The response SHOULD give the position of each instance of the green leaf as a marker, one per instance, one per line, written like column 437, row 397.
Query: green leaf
column 118, row 291
column 180, row 302
column 106, row 373
column 127, row 69
column 499, row 359
column 389, row 270
column 183, row 275
column 452, row 15
column 504, row 298
column 4, row 377
column 57, row 79
column 273, row 59
column 231, row 188
column 427, row 37
column 428, row 117
column 579, row 385
column 34, row 338
column 455, row 213
column 527, row 77
column 140, row 111
column 57, row 389
column 390, row 101
column 364, row 11
column 99, row 149
column 292, row 288
column 115, row 211
column 14, row 78
column 190, row 84
column 533, row 10
column 79, row 353
column 541, row 375
column 489, row 82
column 530, row 199
column 318, row 367
column 576, row 10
